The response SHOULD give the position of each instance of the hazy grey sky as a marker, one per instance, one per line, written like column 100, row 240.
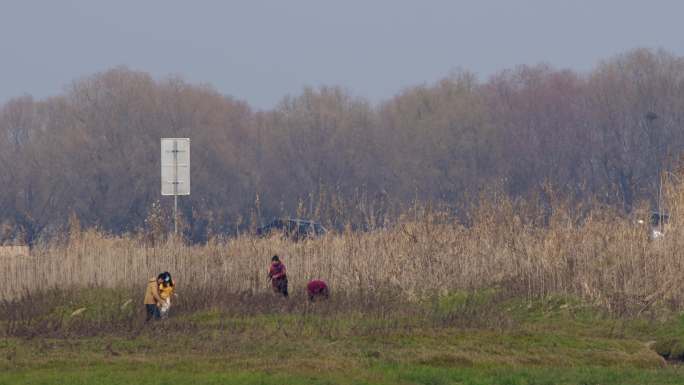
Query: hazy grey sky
column 261, row 50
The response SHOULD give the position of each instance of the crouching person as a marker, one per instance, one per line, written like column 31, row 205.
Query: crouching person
column 278, row 276
column 166, row 289
column 317, row 290
column 152, row 299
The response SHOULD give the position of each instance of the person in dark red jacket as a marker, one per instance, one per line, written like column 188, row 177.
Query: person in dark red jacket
column 317, row 289
column 277, row 273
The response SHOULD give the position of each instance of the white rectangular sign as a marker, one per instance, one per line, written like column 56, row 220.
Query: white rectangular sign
column 175, row 166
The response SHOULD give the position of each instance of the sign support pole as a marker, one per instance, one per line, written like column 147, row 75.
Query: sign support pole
column 175, row 171
column 175, row 188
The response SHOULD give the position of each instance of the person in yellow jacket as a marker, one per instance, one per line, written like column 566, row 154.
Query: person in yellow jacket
column 152, row 298
column 166, row 289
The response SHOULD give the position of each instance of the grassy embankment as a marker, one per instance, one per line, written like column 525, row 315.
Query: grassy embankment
column 483, row 337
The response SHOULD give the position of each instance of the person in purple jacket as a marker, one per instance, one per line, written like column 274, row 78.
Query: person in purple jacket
column 277, row 274
column 317, row 289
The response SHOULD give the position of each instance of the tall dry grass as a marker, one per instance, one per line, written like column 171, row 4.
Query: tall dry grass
column 601, row 257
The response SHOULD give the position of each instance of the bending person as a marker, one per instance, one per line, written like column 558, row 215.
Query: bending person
column 317, row 289
column 166, row 289
column 277, row 274
column 152, row 299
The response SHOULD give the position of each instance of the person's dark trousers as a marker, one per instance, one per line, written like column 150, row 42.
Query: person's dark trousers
column 282, row 286
column 152, row 312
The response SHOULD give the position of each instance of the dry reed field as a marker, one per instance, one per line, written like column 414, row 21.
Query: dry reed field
column 602, row 257
column 428, row 299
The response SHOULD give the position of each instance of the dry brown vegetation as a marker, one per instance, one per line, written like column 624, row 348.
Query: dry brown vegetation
column 600, row 256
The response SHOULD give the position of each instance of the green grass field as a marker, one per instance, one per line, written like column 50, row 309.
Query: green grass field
column 456, row 339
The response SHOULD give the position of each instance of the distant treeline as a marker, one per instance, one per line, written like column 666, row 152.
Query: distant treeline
column 90, row 157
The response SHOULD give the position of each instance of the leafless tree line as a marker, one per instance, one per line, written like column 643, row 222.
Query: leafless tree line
column 91, row 155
